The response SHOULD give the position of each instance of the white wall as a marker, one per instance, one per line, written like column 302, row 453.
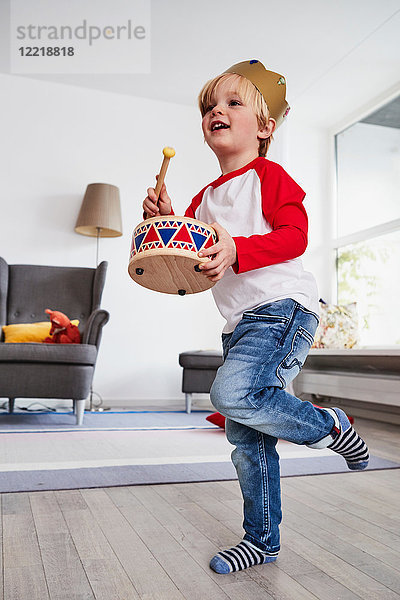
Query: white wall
column 311, row 163
column 59, row 138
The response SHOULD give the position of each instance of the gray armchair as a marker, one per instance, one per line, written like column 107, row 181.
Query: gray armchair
column 32, row 370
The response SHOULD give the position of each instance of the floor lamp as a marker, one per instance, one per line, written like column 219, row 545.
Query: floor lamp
column 99, row 216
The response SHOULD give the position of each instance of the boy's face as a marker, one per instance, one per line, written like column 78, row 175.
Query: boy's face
column 229, row 126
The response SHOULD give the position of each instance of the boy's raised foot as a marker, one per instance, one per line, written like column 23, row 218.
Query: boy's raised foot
column 347, row 442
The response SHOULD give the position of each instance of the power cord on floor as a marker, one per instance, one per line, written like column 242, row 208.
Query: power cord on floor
column 97, row 407
column 28, row 408
column 43, row 409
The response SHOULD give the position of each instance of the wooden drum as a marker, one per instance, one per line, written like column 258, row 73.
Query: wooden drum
column 164, row 254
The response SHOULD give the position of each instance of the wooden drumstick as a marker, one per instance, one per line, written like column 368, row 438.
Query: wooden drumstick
column 168, row 154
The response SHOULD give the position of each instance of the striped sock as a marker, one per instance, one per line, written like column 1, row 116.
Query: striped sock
column 347, row 442
column 240, row 557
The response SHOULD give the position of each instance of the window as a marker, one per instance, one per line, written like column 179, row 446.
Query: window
column 368, row 223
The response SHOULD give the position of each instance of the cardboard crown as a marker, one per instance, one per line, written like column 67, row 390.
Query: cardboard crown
column 271, row 86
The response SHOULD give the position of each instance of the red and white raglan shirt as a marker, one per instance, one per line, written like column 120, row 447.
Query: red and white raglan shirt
column 261, row 207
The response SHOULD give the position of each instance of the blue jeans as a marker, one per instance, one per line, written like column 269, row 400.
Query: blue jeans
column 262, row 355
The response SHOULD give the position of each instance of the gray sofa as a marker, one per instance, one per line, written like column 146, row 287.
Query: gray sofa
column 32, row 370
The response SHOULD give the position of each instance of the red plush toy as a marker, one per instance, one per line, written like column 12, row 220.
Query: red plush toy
column 62, row 330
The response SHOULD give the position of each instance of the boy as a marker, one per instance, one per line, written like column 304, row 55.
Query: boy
column 268, row 300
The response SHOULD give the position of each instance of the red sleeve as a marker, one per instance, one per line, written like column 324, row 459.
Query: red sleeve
column 189, row 212
column 282, row 206
column 195, row 203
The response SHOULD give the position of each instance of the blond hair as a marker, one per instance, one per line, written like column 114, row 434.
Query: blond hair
column 248, row 93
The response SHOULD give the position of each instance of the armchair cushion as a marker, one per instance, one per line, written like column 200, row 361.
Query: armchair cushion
column 78, row 354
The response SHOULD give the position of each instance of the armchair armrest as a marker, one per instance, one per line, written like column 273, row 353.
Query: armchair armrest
column 94, row 326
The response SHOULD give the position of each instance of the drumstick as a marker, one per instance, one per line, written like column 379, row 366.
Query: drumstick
column 168, row 154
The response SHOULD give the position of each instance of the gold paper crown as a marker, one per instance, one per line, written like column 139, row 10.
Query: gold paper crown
column 271, row 86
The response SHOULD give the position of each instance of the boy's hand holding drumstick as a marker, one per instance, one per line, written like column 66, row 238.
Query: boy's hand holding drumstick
column 222, row 254
column 157, row 201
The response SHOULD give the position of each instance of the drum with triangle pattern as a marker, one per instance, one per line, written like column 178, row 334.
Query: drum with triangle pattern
column 164, row 254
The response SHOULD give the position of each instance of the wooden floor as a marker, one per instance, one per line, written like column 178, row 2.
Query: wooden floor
column 340, row 539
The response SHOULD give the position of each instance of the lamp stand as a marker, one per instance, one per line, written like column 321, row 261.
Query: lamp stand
column 99, row 216
column 98, row 229
column 98, row 408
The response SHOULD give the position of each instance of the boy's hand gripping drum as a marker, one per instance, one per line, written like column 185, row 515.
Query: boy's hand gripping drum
column 164, row 249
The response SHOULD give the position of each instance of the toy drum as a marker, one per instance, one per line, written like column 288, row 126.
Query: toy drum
column 164, row 254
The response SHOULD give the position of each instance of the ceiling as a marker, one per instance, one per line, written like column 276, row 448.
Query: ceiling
column 337, row 56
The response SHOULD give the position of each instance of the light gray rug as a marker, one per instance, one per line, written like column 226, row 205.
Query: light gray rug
column 120, row 448
column 66, row 479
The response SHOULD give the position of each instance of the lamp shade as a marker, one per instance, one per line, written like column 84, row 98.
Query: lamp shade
column 100, row 213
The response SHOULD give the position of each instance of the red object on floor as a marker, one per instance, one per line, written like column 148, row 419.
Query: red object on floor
column 217, row 419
